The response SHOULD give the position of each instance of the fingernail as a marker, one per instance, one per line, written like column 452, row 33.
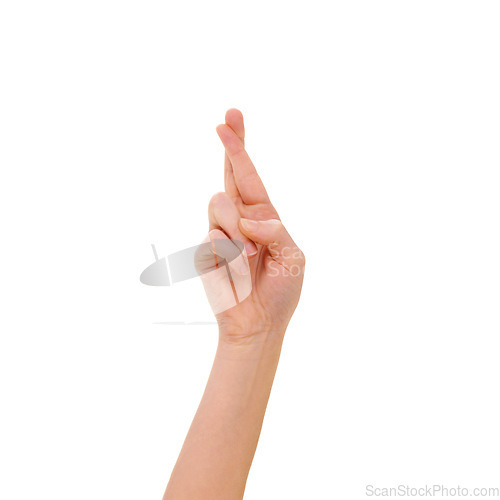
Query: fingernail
column 249, row 225
column 251, row 249
column 213, row 235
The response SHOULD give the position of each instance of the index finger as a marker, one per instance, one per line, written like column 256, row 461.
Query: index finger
column 247, row 179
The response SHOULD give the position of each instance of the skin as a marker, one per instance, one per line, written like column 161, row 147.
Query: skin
column 218, row 451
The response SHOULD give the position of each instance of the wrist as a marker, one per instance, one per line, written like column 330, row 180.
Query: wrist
column 234, row 342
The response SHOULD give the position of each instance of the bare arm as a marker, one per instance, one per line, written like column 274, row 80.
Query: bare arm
column 219, row 448
column 218, row 451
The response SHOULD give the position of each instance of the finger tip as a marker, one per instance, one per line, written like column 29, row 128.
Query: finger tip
column 216, row 234
column 220, row 129
column 225, row 133
column 234, row 120
column 251, row 249
column 248, row 225
column 233, row 113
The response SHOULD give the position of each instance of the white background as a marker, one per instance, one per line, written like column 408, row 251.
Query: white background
column 375, row 126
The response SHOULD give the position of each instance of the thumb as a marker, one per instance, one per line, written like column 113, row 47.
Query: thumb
column 272, row 234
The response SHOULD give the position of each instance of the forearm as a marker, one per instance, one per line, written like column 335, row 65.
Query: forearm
column 221, row 442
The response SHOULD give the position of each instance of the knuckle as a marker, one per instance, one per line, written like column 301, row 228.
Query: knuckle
column 217, row 199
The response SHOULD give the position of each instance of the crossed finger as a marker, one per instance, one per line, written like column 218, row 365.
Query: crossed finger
column 246, row 179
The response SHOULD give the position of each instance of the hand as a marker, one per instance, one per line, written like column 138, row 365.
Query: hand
column 276, row 265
